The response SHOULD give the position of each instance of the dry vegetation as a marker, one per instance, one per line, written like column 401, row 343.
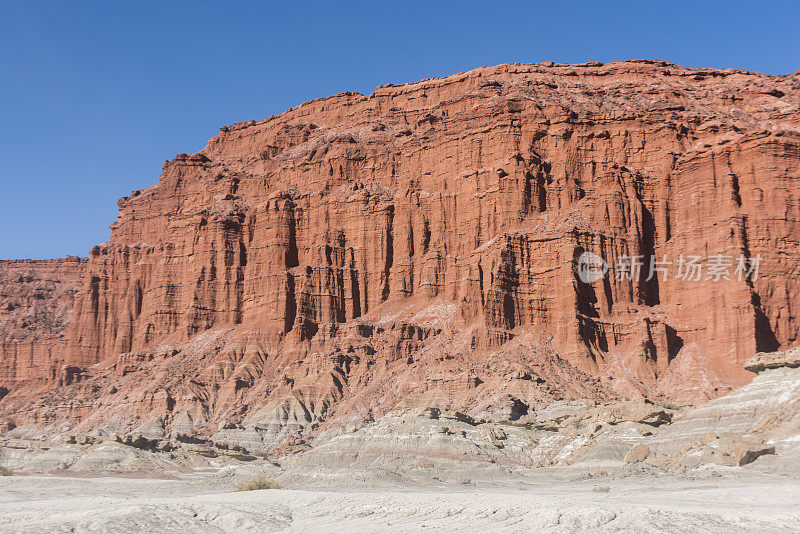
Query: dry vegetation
column 259, row 482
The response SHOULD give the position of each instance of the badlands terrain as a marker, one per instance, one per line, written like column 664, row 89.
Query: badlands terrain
column 375, row 302
column 729, row 465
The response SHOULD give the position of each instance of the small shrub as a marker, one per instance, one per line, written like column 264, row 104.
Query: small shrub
column 257, row 483
column 5, row 472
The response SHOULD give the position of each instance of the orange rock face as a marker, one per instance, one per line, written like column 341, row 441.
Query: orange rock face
column 36, row 298
column 419, row 247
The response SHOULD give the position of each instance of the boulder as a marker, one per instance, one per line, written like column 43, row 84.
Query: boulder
column 638, row 453
column 773, row 360
column 747, row 450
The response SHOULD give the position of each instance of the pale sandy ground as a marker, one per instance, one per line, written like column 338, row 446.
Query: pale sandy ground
column 413, row 473
column 753, row 503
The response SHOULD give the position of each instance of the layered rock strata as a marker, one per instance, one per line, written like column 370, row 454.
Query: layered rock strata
column 420, row 246
column 36, row 299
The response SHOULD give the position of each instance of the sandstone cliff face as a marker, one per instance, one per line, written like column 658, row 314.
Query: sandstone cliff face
column 419, row 245
column 36, row 298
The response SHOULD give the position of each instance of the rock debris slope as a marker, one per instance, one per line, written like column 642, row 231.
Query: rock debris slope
column 418, row 247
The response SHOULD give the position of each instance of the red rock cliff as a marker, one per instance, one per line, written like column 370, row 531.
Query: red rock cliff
column 353, row 249
column 36, row 298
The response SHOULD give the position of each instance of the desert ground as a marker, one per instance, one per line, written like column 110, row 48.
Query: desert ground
column 714, row 503
column 731, row 464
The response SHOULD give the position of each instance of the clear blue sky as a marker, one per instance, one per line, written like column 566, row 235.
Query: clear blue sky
column 94, row 96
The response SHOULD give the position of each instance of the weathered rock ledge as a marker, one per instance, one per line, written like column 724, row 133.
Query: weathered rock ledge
column 773, row 360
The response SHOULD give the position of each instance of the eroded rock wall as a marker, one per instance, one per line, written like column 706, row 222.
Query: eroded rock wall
column 36, row 300
column 475, row 193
